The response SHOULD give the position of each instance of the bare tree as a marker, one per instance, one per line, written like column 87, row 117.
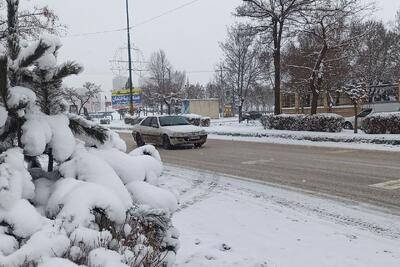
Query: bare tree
column 79, row 97
column 194, row 91
column 376, row 55
column 166, row 83
column 31, row 23
column 276, row 18
column 328, row 24
column 241, row 62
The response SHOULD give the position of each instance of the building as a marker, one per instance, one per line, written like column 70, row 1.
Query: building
column 386, row 99
column 119, row 82
column 203, row 107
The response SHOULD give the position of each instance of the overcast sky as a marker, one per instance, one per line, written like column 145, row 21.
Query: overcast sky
column 190, row 36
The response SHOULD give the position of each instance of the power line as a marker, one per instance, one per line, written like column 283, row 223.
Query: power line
column 136, row 25
column 165, row 13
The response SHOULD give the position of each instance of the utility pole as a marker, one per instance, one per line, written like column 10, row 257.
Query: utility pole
column 130, row 60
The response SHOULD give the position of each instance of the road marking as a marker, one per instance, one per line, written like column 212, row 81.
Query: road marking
column 255, row 162
column 389, row 185
column 339, row 151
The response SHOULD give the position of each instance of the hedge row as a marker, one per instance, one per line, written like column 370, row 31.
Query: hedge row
column 382, row 123
column 316, row 123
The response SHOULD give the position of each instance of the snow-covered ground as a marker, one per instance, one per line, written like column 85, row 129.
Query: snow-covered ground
column 232, row 222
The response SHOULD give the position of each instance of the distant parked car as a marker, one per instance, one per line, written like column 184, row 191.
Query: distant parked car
column 105, row 121
column 168, row 131
column 132, row 120
column 252, row 115
column 350, row 121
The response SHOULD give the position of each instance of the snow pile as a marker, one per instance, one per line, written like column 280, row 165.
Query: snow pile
column 95, row 213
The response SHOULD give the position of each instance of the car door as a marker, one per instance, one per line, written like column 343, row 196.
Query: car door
column 144, row 130
column 155, row 131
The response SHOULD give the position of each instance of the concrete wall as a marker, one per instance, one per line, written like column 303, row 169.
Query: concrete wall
column 205, row 107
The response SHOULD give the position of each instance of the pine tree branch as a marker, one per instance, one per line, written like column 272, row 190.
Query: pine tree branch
column 68, row 68
column 39, row 51
column 81, row 126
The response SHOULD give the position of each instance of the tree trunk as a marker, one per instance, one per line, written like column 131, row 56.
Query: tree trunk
column 314, row 102
column 355, row 118
column 50, row 166
column 240, row 111
column 277, row 85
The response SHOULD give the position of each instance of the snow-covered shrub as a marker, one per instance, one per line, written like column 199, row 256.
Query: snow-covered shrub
column 68, row 191
column 300, row 122
column 382, row 123
column 198, row 120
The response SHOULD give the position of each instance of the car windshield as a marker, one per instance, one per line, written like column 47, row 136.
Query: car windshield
column 173, row 121
column 365, row 113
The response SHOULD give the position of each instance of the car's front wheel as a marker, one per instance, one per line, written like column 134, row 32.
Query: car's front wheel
column 166, row 143
column 348, row 125
column 139, row 140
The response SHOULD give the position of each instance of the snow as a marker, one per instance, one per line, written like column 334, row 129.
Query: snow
column 146, row 194
column 20, row 97
column 230, row 221
column 57, row 262
column 43, row 189
column 48, row 242
column 36, row 135
column 146, row 150
column 62, row 141
column 73, row 202
column 105, row 258
column 87, row 167
column 149, row 159
column 15, row 181
column 128, row 168
column 89, row 238
column 3, row 116
column 23, row 219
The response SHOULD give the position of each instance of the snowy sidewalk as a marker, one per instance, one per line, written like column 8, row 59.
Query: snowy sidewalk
column 231, row 222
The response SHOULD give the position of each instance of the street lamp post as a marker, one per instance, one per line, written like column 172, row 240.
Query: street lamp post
column 129, row 59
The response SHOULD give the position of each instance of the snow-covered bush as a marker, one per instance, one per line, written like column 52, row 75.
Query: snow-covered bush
column 69, row 194
column 382, row 123
column 198, row 120
column 300, row 122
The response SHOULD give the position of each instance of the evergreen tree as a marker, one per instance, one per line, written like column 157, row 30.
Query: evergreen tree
column 83, row 209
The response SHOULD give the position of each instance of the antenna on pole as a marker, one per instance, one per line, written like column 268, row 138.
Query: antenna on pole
column 129, row 59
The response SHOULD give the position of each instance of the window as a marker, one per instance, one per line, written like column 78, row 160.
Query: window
column 154, row 122
column 173, row 121
column 365, row 113
column 147, row 122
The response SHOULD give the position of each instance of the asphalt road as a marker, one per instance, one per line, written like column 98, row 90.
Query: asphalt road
column 366, row 176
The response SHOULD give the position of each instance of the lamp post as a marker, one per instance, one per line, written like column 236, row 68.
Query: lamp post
column 129, row 59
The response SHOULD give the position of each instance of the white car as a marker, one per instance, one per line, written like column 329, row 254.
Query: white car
column 168, row 131
column 350, row 121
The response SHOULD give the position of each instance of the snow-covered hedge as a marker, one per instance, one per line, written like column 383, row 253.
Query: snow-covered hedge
column 382, row 123
column 300, row 122
column 198, row 120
